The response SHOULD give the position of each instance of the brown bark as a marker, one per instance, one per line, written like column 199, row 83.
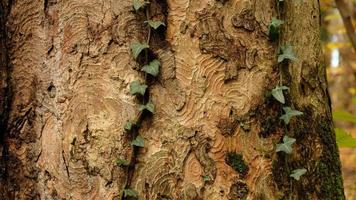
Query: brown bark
column 5, row 93
column 72, row 68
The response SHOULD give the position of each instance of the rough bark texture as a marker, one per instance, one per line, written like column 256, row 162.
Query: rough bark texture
column 71, row 69
column 316, row 150
column 5, row 94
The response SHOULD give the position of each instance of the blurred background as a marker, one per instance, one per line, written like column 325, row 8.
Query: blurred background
column 338, row 32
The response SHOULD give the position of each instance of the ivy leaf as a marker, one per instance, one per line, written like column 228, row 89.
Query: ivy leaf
column 155, row 24
column 343, row 139
column 297, row 173
column 289, row 113
column 286, row 53
column 152, row 68
column 137, row 88
column 138, row 141
column 130, row 193
column 276, row 22
column 149, row 107
column 274, row 27
column 137, row 48
column 206, row 178
column 286, row 146
column 277, row 93
column 128, row 126
column 138, row 4
column 122, row 162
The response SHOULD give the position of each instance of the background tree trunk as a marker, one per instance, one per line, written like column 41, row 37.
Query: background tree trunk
column 70, row 67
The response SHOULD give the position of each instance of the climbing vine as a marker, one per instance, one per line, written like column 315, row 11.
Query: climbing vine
column 285, row 54
column 149, row 67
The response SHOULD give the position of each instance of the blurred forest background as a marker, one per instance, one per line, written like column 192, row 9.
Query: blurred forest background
column 340, row 57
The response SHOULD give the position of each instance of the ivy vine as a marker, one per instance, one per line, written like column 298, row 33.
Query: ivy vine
column 140, row 89
column 152, row 68
column 285, row 54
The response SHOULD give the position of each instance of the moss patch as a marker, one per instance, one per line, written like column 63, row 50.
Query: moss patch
column 237, row 162
column 328, row 170
column 324, row 171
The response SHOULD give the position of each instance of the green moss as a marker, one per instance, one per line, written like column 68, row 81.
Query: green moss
column 244, row 121
column 325, row 180
column 331, row 186
column 280, row 171
column 246, row 126
column 237, row 162
column 328, row 170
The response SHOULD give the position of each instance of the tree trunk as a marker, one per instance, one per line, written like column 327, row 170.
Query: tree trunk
column 67, row 69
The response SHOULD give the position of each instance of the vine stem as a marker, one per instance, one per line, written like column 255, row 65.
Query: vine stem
column 279, row 44
column 138, row 119
column 149, row 28
column 147, row 41
column 280, row 76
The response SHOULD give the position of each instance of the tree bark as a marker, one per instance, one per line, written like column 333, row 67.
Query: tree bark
column 214, row 133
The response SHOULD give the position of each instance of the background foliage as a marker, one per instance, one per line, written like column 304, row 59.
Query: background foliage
column 340, row 60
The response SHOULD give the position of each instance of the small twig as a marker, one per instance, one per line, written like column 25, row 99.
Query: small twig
column 65, row 164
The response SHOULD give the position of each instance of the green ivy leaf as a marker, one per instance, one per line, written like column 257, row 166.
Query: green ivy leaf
column 289, row 113
column 274, row 27
column 343, row 139
column 130, row 193
column 128, row 126
column 344, row 116
column 155, row 24
column 152, row 68
column 122, row 162
column 137, row 48
column 276, row 22
column 277, row 93
column 149, row 107
column 138, row 4
column 297, row 173
column 138, row 141
column 206, row 178
column 286, row 146
column 137, row 88
column 286, row 53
